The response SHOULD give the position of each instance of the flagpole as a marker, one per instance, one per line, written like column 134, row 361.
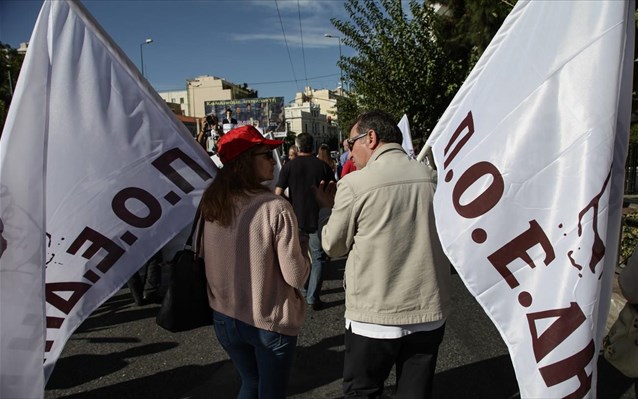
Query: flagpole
column 423, row 153
column 426, row 153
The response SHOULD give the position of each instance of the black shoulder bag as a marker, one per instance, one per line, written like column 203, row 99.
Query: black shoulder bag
column 185, row 305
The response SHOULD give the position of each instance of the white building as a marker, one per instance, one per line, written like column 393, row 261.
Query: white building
column 205, row 88
column 314, row 112
column 179, row 97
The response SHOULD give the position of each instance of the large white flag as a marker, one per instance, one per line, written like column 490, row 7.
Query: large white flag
column 530, row 156
column 96, row 174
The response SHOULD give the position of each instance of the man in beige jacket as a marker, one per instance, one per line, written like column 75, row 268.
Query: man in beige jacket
column 397, row 276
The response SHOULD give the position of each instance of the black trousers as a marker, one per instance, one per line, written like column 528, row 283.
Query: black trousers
column 368, row 362
column 146, row 282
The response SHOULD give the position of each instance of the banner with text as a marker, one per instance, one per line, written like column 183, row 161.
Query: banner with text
column 266, row 113
column 120, row 176
column 530, row 155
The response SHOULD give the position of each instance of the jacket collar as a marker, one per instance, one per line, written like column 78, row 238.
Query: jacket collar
column 384, row 149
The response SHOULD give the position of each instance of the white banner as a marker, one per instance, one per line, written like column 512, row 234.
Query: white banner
column 122, row 177
column 22, row 233
column 531, row 156
column 404, row 126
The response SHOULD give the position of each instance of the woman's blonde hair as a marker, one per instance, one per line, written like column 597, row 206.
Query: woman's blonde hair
column 235, row 180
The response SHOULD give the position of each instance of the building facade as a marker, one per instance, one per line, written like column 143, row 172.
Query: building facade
column 314, row 112
column 205, row 88
column 176, row 100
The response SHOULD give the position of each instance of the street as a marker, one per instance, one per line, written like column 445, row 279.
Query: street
column 119, row 352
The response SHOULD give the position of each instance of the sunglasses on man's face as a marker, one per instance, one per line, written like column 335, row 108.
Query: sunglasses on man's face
column 355, row 138
column 267, row 154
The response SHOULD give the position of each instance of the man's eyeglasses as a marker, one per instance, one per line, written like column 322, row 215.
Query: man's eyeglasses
column 268, row 154
column 355, row 138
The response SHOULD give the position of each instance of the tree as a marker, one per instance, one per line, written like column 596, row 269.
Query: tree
column 10, row 64
column 400, row 65
column 347, row 111
column 413, row 64
column 466, row 27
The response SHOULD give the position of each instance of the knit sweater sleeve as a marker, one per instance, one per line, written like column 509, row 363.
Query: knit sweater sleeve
column 292, row 255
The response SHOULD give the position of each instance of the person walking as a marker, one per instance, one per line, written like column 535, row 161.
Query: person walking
column 348, row 167
column 324, row 155
column 345, row 156
column 298, row 176
column 255, row 264
column 397, row 277
column 292, row 153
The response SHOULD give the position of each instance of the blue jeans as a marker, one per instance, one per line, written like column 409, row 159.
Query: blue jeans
column 262, row 358
column 315, row 281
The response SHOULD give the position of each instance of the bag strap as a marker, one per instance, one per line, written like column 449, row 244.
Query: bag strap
column 200, row 235
column 198, row 223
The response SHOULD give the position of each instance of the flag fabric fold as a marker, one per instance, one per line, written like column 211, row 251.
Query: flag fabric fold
column 22, row 233
column 96, row 176
column 531, row 155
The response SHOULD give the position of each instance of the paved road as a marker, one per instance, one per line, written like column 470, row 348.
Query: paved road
column 120, row 353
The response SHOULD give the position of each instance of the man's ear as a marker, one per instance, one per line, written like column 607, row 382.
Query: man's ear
column 373, row 139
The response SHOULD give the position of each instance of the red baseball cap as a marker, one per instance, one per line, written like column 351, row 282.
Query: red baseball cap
column 237, row 141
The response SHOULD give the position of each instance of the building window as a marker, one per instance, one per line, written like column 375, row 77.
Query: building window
column 305, row 127
column 181, row 100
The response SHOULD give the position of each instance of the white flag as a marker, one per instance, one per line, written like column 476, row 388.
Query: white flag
column 404, row 126
column 530, row 155
column 22, row 233
column 275, row 153
column 90, row 141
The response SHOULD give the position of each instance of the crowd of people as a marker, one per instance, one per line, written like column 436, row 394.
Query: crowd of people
column 211, row 130
column 259, row 292
column 266, row 253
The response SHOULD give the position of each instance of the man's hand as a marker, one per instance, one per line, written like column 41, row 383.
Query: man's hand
column 325, row 194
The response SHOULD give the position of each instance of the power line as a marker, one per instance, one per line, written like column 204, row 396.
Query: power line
column 287, row 48
column 303, row 51
column 288, row 81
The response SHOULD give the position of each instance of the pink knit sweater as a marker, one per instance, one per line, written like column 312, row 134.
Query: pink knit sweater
column 254, row 265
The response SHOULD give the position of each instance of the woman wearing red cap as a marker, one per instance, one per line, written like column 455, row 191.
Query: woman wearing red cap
column 254, row 264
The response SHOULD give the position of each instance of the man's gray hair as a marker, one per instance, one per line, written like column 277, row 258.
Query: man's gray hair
column 382, row 123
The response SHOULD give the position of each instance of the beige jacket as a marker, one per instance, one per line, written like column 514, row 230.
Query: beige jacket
column 396, row 272
column 254, row 265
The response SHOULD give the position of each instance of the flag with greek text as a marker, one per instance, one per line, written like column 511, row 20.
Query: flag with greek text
column 96, row 175
column 530, row 156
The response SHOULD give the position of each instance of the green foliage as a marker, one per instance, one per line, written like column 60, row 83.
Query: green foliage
column 628, row 238
column 333, row 142
column 10, row 64
column 289, row 140
column 399, row 67
column 468, row 26
column 348, row 110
